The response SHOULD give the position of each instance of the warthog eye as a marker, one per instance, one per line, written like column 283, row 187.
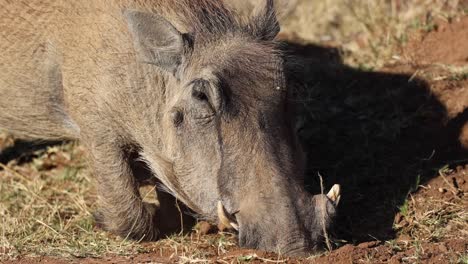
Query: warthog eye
column 200, row 89
column 199, row 95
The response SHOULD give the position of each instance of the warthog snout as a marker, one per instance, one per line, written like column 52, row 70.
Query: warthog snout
column 290, row 229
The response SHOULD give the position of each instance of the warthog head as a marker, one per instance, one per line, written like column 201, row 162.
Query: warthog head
column 229, row 145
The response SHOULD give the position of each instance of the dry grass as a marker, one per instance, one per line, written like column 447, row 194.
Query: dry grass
column 193, row 248
column 433, row 220
column 46, row 208
column 443, row 72
column 367, row 31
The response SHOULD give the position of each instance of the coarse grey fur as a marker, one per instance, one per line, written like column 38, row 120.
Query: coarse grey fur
column 189, row 88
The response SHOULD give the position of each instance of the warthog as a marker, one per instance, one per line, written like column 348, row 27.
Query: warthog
column 186, row 87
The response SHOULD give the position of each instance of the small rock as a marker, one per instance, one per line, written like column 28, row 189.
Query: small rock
column 205, row 228
column 404, row 238
column 398, row 218
column 442, row 190
column 369, row 244
column 443, row 248
column 404, row 223
column 449, row 227
column 345, row 248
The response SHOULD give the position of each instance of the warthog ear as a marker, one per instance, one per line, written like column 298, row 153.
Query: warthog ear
column 266, row 25
column 156, row 40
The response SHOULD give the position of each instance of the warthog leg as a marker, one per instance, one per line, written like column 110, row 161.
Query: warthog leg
column 121, row 209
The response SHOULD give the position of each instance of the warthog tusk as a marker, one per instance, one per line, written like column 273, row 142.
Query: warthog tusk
column 226, row 219
column 334, row 194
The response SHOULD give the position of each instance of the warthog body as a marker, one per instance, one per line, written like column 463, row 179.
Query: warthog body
column 185, row 87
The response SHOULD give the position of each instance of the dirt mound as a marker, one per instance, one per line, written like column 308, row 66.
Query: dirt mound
column 441, row 57
column 442, row 54
column 446, row 43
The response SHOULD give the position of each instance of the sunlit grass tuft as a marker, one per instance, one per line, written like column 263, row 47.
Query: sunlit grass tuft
column 46, row 208
column 368, row 31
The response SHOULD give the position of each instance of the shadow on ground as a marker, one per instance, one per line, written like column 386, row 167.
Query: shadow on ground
column 379, row 135
column 23, row 151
